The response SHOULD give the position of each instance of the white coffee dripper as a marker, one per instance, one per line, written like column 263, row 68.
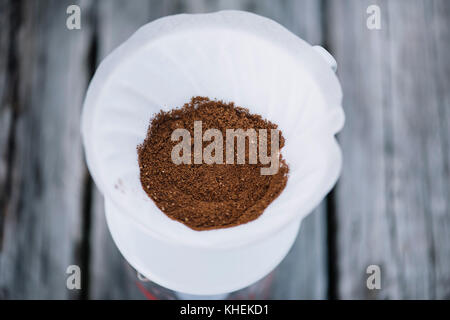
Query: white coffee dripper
column 232, row 56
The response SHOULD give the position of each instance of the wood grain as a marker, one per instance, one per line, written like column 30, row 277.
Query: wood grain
column 392, row 200
column 7, row 12
column 45, row 169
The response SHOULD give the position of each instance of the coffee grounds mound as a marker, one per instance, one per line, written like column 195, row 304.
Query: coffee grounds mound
column 207, row 196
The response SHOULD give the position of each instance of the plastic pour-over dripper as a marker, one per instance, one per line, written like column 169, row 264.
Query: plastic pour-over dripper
column 232, row 56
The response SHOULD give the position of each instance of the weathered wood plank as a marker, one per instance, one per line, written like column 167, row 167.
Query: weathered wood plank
column 43, row 211
column 440, row 28
column 393, row 198
column 7, row 12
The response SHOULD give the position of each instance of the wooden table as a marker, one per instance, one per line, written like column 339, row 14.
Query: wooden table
column 391, row 207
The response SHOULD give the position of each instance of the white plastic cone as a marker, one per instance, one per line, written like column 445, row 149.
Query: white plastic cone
column 232, row 56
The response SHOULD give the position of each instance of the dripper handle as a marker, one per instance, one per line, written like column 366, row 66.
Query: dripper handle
column 327, row 56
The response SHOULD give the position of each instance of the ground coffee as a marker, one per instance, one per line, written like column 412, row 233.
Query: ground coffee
column 207, row 196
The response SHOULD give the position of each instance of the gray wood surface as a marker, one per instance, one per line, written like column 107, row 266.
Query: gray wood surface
column 42, row 196
column 391, row 207
column 393, row 198
column 6, row 110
